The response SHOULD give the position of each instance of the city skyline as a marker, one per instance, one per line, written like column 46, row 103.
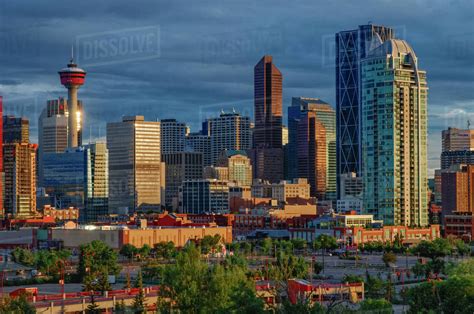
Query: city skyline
column 212, row 76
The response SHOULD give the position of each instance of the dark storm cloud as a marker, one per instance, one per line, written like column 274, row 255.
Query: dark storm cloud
column 207, row 50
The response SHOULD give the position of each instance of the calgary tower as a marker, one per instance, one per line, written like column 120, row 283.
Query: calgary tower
column 72, row 78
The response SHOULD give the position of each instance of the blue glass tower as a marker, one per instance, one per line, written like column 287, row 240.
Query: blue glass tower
column 351, row 47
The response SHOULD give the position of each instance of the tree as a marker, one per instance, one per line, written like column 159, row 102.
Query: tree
column 192, row 286
column 266, row 245
column 375, row 306
column 144, row 251
column 128, row 250
column 324, row 242
column 97, row 258
column 299, row 244
column 349, row 278
column 389, row 258
column 17, row 305
column 22, row 256
column 246, row 248
column 165, row 250
column 433, row 249
column 139, row 300
column 301, row 306
column 288, row 266
column 93, row 308
column 209, row 243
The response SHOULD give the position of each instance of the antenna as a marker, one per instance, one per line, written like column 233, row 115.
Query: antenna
column 468, row 124
column 72, row 53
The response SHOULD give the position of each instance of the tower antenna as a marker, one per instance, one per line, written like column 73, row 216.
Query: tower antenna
column 468, row 124
column 72, row 53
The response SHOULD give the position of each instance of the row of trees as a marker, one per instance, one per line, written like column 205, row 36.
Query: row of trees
column 47, row 262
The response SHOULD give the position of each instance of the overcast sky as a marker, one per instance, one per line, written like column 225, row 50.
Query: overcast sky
column 190, row 59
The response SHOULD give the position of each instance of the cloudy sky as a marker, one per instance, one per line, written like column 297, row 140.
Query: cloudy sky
column 190, row 59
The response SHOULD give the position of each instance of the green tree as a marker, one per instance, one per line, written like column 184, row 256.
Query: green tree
column 389, row 258
column 246, row 248
column 375, row 306
column 23, row 256
column 352, row 278
column 266, row 246
column 209, row 244
column 299, row 244
column 324, row 242
column 97, row 258
column 128, row 250
column 165, row 250
column 433, row 249
column 289, row 266
column 18, row 305
column 93, row 307
column 144, row 251
column 139, row 300
column 301, row 307
column 192, row 286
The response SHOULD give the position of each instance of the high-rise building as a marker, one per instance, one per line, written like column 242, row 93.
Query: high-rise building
column 1, row 158
column 229, row 131
column 283, row 190
column 134, row 165
column 20, row 179
column 73, row 77
column 53, row 130
column 173, row 136
column 458, row 189
column 180, row 166
column 15, row 130
column 327, row 117
column 312, row 153
column 449, row 158
column 268, row 155
column 454, row 139
column 204, row 196
column 238, row 165
column 350, row 198
column 394, row 153
column 352, row 47
column 199, row 143
column 78, row 177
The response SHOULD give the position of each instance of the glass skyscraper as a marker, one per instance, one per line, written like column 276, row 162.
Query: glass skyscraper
column 394, row 156
column 327, row 117
column 351, row 47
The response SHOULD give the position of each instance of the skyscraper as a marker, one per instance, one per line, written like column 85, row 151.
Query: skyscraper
column 53, row 130
column 204, row 196
column 351, row 47
column 311, row 153
column 20, row 179
column 173, row 136
column 229, row 131
column 15, row 130
column 200, row 143
column 454, row 139
column 19, row 164
column 134, row 165
column 1, row 158
column 325, row 115
column 394, row 105
column 180, row 166
column 267, row 155
column 458, row 189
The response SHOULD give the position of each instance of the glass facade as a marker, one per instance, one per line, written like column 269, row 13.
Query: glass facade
column 351, row 47
column 205, row 196
column 394, row 150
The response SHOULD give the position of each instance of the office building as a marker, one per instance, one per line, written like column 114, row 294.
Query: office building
column 282, row 191
column 216, row 172
column 20, row 179
column 268, row 155
column 2, row 178
column 351, row 193
column 394, row 134
column 449, row 158
column 458, row 189
column 134, row 165
column 78, row 178
column 180, row 166
column 238, row 165
column 53, row 130
column 311, row 153
column 454, row 139
column 204, row 196
column 199, row 143
column 326, row 115
column 229, row 131
column 15, row 130
column 173, row 136
column 352, row 46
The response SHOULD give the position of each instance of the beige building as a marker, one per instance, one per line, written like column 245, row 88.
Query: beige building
column 134, row 165
column 116, row 237
column 297, row 188
column 19, row 162
column 238, row 166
